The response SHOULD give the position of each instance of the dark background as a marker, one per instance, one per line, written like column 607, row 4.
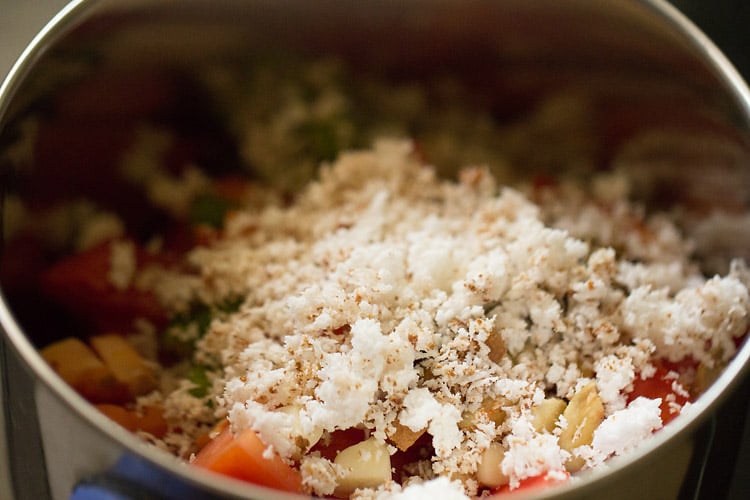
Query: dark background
column 727, row 23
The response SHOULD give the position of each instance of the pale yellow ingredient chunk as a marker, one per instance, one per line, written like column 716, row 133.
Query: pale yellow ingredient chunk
column 583, row 415
column 79, row 366
column 305, row 441
column 489, row 472
column 127, row 365
column 403, row 438
column 705, row 376
column 365, row 465
column 546, row 413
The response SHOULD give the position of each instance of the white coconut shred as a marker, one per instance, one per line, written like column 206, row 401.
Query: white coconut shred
column 385, row 299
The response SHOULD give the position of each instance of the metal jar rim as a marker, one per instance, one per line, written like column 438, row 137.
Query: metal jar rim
column 698, row 413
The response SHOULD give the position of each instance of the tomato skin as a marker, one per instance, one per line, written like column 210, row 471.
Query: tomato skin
column 151, row 420
column 81, row 284
column 529, row 484
column 659, row 386
column 242, row 457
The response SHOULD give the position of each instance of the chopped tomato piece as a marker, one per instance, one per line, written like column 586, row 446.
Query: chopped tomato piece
column 542, row 181
column 124, row 95
column 232, row 188
column 683, row 366
column 81, row 284
column 151, row 420
column 119, row 414
column 244, row 457
column 546, row 480
column 660, row 385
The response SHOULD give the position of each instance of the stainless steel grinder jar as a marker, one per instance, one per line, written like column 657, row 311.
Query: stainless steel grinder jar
column 641, row 62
